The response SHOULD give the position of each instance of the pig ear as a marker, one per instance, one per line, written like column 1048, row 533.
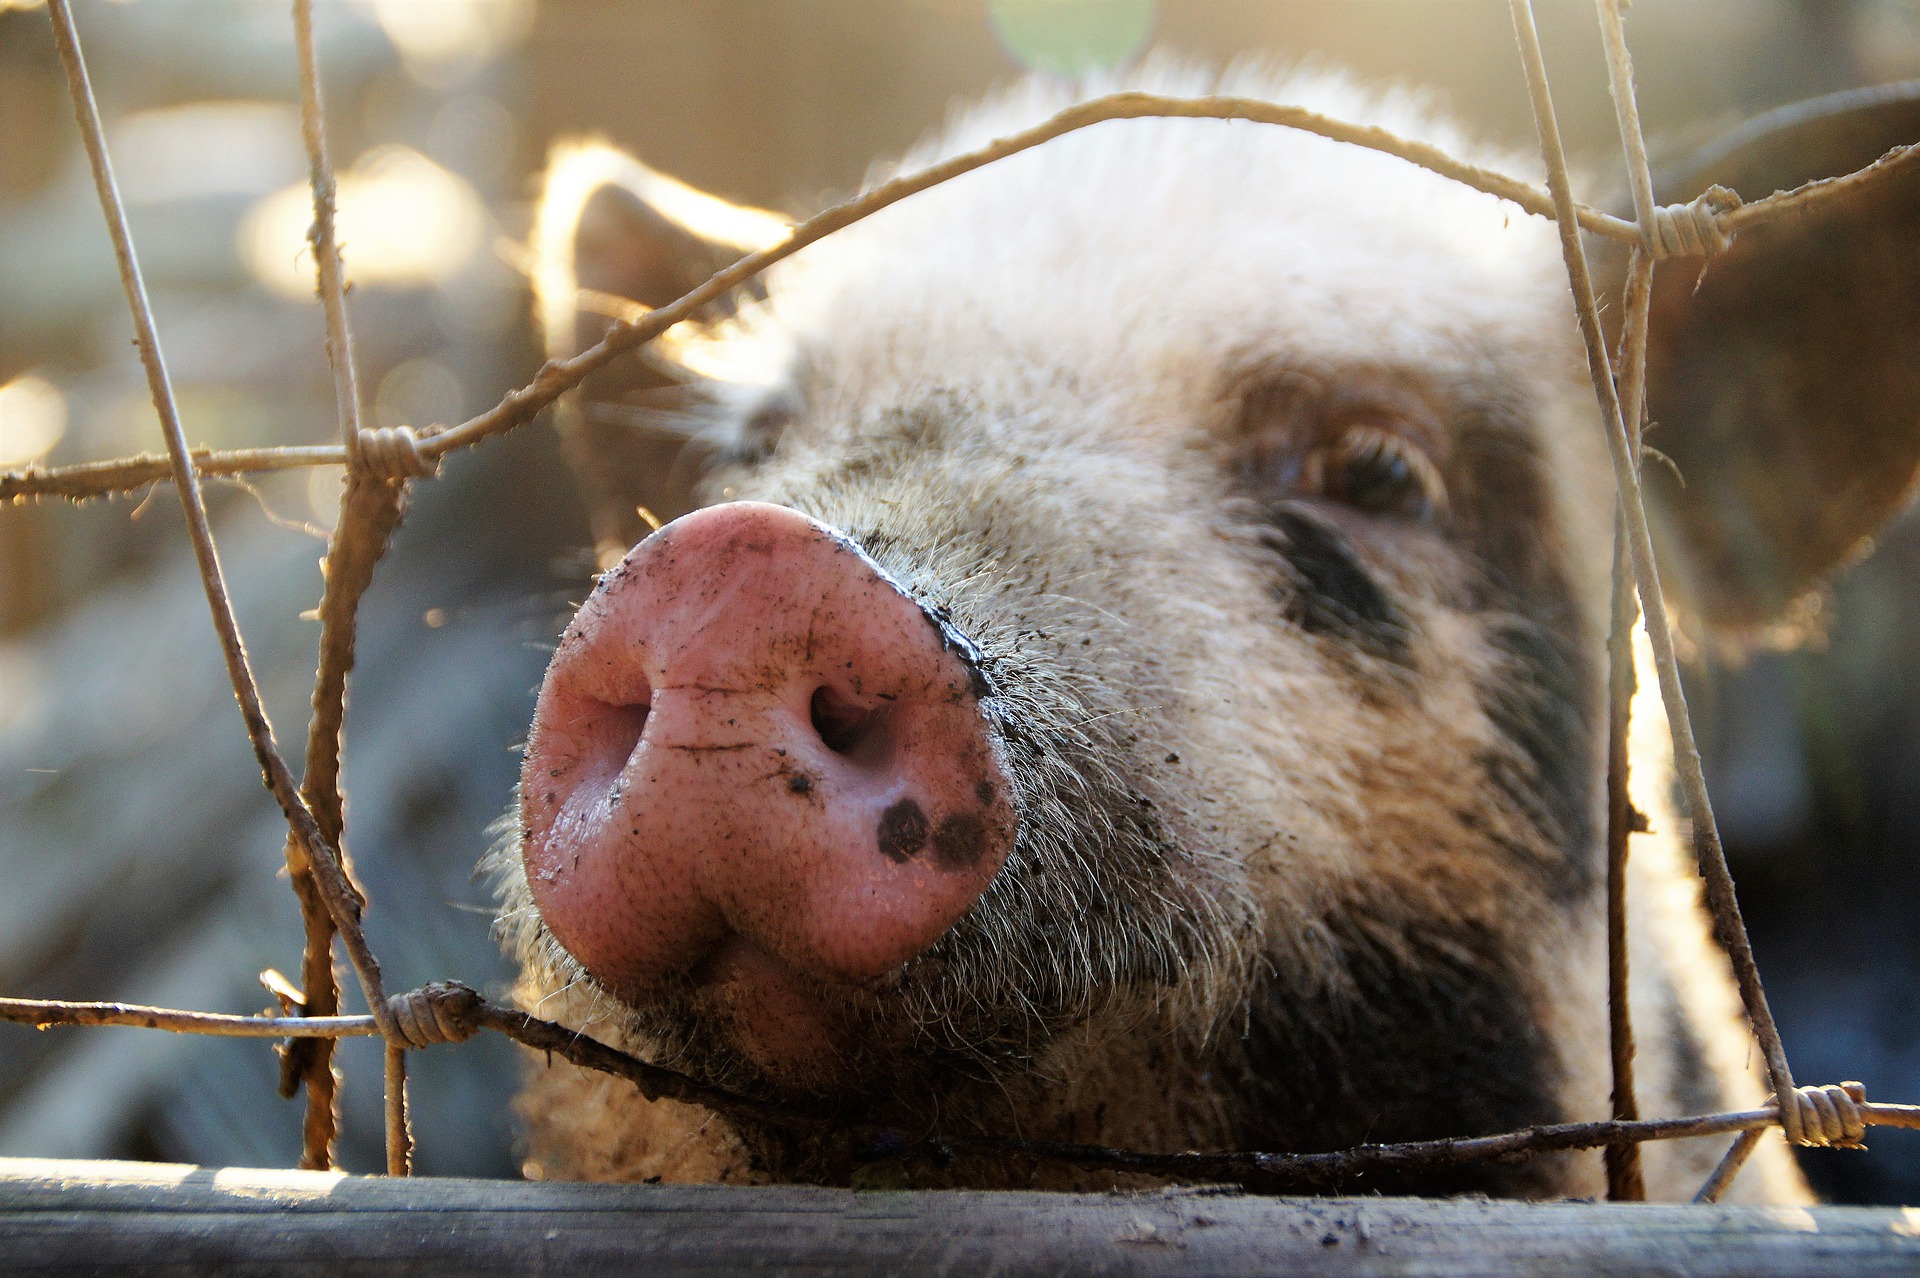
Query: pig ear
column 1783, row 375
column 623, row 233
column 611, row 240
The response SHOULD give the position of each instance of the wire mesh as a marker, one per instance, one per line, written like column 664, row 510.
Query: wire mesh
column 382, row 464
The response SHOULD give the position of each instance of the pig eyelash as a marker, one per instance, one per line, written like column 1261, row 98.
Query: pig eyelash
column 1376, row 472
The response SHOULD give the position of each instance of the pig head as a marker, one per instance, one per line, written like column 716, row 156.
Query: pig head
column 1136, row 671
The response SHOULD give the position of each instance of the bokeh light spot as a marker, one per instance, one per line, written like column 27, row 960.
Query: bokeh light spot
column 420, row 392
column 1072, row 37
column 403, row 222
column 33, row 417
column 325, row 484
column 443, row 42
column 207, row 149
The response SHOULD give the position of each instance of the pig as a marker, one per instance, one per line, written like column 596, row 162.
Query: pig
column 1129, row 664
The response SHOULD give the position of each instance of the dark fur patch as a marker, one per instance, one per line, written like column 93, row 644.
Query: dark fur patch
column 1330, row 592
column 1536, row 699
column 1435, row 1038
column 1540, row 695
column 1503, row 507
column 1696, row 1089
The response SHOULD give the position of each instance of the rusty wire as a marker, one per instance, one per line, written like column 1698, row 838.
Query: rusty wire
column 371, row 507
column 332, row 880
column 1624, row 1180
column 1263, row 1171
column 375, row 501
column 1721, row 902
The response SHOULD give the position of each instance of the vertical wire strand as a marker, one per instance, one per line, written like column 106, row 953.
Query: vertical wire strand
column 1718, row 880
column 371, row 508
column 399, row 1127
column 312, row 1063
column 246, row 690
column 1626, row 1181
column 321, row 235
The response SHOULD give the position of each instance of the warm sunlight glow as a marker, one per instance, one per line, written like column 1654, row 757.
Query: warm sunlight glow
column 33, row 417
column 403, row 222
column 207, row 149
column 575, row 170
column 443, row 41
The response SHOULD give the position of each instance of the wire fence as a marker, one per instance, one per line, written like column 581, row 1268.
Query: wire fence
column 382, row 464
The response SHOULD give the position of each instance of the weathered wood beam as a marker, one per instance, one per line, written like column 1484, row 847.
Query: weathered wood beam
column 90, row 1217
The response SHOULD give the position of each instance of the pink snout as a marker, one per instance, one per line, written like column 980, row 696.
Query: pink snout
column 752, row 750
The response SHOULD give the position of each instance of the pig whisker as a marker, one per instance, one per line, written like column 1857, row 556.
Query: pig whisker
column 595, row 1013
column 1108, row 613
column 539, row 1008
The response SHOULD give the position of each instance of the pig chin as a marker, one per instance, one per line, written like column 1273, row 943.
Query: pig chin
column 790, row 1029
column 748, row 1020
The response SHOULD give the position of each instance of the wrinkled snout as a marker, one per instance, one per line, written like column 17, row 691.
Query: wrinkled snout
column 753, row 747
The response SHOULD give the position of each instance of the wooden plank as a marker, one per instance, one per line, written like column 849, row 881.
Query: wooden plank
column 59, row 1217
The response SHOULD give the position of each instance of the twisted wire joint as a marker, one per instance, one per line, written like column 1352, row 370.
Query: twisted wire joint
column 1692, row 229
column 392, row 453
column 1830, row 1115
column 436, row 1013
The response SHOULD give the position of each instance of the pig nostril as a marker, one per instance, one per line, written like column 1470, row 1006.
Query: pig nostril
column 613, row 733
column 625, row 726
column 841, row 723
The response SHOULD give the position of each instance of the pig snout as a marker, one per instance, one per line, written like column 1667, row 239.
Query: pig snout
column 754, row 752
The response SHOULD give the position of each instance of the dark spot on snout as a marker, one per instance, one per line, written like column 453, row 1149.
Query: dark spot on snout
column 800, row 783
column 903, row 831
column 960, row 840
column 984, row 792
column 1330, row 593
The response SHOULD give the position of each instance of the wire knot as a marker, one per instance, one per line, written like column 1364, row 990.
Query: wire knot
column 436, row 1013
column 392, row 452
column 1831, row 1116
column 1692, row 229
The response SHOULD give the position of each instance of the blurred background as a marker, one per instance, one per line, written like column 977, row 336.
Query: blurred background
column 138, row 852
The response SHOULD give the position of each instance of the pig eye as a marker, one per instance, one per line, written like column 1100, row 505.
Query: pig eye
column 761, row 431
column 1376, row 472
